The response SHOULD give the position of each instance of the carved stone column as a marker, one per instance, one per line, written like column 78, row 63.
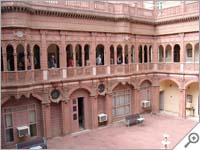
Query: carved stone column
column 65, row 117
column 46, row 115
column 182, row 103
column 63, row 58
column 94, row 111
column 108, row 107
column 43, row 51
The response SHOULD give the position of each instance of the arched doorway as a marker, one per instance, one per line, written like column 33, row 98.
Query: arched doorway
column 80, row 108
column 20, row 57
column 161, row 53
column 140, row 54
column 126, row 54
column 196, row 53
column 145, row 54
column 168, row 53
column 169, row 96
column 69, row 51
column 78, row 50
column 87, row 55
column 112, row 55
column 28, row 53
column 100, row 54
column 53, row 56
column 188, row 53
column 36, row 55
column 132, row 54
column 176, row 53
column 10, row 58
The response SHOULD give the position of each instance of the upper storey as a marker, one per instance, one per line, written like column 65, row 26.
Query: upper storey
column 101, row 16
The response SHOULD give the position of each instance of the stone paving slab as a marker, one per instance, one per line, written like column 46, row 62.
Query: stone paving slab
column 117, row 136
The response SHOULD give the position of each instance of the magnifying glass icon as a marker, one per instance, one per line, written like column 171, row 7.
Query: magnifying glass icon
column 192, row 138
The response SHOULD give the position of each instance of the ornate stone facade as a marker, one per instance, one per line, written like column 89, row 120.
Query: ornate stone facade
column 143, row 53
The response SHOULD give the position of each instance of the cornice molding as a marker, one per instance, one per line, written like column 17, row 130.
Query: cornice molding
column 91, row 15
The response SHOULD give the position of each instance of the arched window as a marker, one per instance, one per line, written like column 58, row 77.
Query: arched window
column 87, row 55
column 145, row 93
column 145, row 54
column 10, row 58
column 150, row 53
column 132, row 54
column 112, row 55
column 28, row 53
column 168, row 53
column 140, row 54
column 126, row 54
column 161, row 53
column 119, row 55
column 196, row 53
column 100, row 54
column 36, row 56
column 78, row 50
column 188, row 53
column 69, row 51
column 20, row 58
column 53, row 56
column 2, row 60
column 176, row 53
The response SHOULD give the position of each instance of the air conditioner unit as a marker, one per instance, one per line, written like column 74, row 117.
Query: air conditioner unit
column 145, row 104
column 23, row 131
column 102, row 117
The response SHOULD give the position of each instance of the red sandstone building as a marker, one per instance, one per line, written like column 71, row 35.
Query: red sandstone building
column 53, row 82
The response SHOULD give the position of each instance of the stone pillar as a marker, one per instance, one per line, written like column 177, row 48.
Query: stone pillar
column 5, row 65
column 182, row 103
column 136, row 50
column 182, row 49
column 154, row 51
column 25, row 57
column 164, row 51
column 142, row 53
column 32, row 57
column 94, row 111
column 93, row 50
column 43, row 51
column 46, row 115
column 137, row 101
column 123, row 54
column 83, row 55
column 74, row 54
column 107, row 53
column 108, row 107
column 193, row 50
column 172, row 54
column 129, row 54
column 15, row 59
column 148, row 46
column 65, row 117
column 115, row 54
column 63, row 57
column 155, row 91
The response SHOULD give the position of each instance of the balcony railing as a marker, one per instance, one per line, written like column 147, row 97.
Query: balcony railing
column 12, row 78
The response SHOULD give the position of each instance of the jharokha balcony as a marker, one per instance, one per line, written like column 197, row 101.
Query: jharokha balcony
column 13, row 78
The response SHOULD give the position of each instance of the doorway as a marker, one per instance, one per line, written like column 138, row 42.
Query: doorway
column 81, row 113
column 162, row 100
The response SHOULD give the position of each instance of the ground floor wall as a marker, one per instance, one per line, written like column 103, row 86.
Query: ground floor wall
column 63, row 108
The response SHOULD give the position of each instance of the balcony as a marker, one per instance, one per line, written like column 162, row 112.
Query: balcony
column 17, row 78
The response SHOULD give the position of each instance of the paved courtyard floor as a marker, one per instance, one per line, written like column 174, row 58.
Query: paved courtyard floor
column 117, row 136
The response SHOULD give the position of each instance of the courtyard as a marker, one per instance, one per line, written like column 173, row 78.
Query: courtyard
column 149, row 134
